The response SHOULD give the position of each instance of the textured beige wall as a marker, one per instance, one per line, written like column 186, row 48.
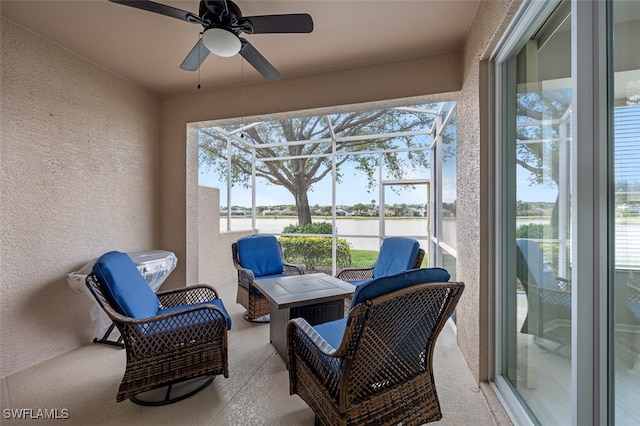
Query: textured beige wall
column 473, row 176
column 215, row 264
column 79, row 172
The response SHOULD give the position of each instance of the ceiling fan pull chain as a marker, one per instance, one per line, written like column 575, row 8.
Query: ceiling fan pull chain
column 199, row 61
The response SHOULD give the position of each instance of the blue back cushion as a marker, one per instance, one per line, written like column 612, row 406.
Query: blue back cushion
column 383, row 285
column 261, row 254
column 124, row 285
column 397, row 254
column 532, row 267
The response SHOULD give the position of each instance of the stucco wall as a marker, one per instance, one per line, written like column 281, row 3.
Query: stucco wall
column 79, row 176
column 473, row 185
column 215, row 264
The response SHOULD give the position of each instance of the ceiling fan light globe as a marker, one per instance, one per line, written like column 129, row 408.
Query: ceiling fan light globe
column 221, row 42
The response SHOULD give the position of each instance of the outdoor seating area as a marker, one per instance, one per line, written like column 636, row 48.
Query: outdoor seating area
column 85, row 382
column 176, row 341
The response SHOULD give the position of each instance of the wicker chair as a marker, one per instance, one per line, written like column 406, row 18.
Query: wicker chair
column 257, row 257
column 376, row 365
column 397, row 254
column 548, row 296
column 549, row 303
column 170, row 337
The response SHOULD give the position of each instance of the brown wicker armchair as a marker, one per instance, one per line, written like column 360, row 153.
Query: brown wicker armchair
column 184, row 339
column 397, row 254
column 548, row 297
column 258, row 256
column 376, row 365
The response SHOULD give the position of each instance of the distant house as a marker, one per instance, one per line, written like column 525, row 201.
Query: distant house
column 233, row 213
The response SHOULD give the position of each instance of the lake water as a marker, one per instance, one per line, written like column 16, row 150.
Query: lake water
column 363, row 233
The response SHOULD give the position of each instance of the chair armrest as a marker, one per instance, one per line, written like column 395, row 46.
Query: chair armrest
column 318, row 355
column 564, row 283
column 555, row 296
column 634, row 293
column 246, row 277
column 355, row 274
column 311, row 334
column 187, row 295
column 246, row 273
column 291, row 269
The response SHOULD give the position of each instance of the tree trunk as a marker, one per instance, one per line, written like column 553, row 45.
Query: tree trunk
column 302, row 205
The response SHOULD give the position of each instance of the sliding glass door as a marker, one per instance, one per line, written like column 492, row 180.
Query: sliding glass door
column 625, row 291
column 536, row 201
column 568, row 214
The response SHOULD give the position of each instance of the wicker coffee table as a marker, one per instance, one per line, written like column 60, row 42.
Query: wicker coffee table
column 317, row 298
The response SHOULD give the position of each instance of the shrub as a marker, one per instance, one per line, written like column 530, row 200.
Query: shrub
column 315, row 251
column 309, row 228
column 539, row 231
column 536, row 231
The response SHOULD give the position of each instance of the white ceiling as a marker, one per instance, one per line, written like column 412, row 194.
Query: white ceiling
column 147, row 48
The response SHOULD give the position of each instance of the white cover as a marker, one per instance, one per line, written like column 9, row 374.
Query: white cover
column 154, row 265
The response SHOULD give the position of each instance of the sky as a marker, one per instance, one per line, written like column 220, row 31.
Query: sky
column 353, row 190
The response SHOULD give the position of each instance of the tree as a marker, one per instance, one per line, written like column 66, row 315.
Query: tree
column 544, row 111
column 296, row 167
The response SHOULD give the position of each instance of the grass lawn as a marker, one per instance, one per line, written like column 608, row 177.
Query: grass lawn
column 359, row 259
column 363, row 258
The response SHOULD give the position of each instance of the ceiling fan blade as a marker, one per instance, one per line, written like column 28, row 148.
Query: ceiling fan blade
column 196, row 57
column 258, row 61
column 161, row 9
column 291, row 23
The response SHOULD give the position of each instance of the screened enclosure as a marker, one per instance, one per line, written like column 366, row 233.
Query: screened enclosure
column 351, row 178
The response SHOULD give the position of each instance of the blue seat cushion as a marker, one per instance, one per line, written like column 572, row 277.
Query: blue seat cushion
column 125, row 286
column 383, row 285
column 261, row 254
column 332, row 331
column 197, row 317
column 397, row 254
column 358, row 282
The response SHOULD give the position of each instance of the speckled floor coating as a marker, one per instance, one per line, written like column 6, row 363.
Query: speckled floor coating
column 83, row 383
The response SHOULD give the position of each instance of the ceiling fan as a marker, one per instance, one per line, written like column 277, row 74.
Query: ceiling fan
column 223, row 22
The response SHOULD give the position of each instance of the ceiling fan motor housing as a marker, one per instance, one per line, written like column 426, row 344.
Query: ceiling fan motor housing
column 222, row 14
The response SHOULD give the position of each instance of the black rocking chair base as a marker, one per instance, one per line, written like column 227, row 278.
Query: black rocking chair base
column 105, row 338
column 186, row 390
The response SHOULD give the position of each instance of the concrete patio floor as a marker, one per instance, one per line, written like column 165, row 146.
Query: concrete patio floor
column 84, row 382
